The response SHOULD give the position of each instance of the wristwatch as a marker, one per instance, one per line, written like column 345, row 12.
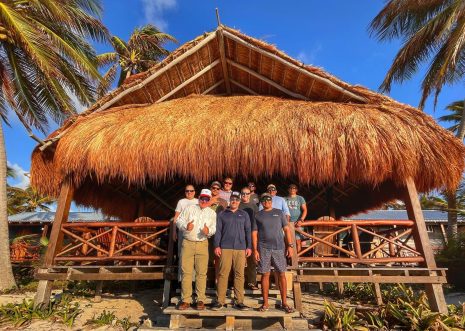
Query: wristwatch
column 291, row 245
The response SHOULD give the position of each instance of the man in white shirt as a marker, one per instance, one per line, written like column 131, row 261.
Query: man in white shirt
column 225, row 193
column 197, row 223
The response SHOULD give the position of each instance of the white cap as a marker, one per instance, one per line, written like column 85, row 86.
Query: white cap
column 205, row 193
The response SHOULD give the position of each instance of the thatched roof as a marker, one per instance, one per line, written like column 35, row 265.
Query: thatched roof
column 148, row 138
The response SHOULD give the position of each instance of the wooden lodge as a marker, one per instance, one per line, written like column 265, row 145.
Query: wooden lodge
column 229, row 104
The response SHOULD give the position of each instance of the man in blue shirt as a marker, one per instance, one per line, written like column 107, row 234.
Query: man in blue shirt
column 233, row 244
column 277, row 202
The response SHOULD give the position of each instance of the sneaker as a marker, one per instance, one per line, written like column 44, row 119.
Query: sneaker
column 217, row 306
column 241, row 306
column 200, row 305
column 184, row 306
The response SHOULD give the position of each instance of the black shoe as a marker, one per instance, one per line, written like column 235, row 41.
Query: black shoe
column 241, row 306
column 216, row 306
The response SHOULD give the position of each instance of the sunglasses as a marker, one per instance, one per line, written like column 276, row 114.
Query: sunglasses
column 266, row 200
column 215, row 188
column 189, row 191
column 204, row 199
column 251, row 185
column 234, row 200
column 228, row 183
column 271, row 189
column 244, row 193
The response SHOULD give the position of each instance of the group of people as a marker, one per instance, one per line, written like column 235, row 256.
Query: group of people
column 245, row 232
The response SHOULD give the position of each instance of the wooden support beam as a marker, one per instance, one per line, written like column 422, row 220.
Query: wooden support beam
column 267, row 80
column 295, row 67
column 422, row 244
column 190, row 80
column 224, row 66
column 61, row 217
column 211, row 88
column 245, row 88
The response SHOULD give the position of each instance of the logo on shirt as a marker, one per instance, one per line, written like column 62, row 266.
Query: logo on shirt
column 276, row 215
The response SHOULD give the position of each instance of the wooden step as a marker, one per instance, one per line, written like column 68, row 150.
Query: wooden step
column 251, row 302
column 212, row 291
column 272, row 312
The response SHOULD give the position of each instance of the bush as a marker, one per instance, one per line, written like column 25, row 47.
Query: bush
column 452, row 257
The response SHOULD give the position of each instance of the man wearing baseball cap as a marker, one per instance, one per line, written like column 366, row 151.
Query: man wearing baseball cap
column 198, row 223
column 268, row 230
column 233, row 244
column 298, row 209
column 278, row 202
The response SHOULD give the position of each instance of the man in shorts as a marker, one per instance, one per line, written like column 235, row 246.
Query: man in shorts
column 298, row 210
column 268, row 231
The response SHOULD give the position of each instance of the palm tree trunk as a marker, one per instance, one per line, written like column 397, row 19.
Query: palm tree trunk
column 7, row 279
column 452, row 227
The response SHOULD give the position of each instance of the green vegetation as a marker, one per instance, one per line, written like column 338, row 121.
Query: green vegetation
column 109, row 318
column 59, row 310
column 452, row 257
column 405, row 309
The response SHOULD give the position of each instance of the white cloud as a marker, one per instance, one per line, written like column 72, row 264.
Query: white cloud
column 154, row 10
column 309, row 57
column 21, row 178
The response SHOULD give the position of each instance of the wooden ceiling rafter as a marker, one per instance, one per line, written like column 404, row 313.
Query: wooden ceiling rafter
column 219, row 34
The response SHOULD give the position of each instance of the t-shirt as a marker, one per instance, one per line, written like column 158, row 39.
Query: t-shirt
column 250, row 207
column 269, row 225
column 294, row 204
column 278, row 203
column 226, row 195
column 183, row 203
column 254, row 198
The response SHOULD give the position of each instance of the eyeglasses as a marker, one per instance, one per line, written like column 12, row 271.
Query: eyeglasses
column 228, row 183
column 189, row 191
column 272, row 189
column 204, row 199
column 215, row 188
column 245, row 193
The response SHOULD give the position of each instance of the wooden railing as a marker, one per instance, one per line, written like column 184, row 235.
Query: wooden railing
column 377, row 242
column 113, row 241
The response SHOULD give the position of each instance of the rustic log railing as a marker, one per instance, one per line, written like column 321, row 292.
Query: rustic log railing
column 389, row 242
column 112, row 241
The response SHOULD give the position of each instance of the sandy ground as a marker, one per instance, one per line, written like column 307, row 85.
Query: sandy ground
column 145, row 305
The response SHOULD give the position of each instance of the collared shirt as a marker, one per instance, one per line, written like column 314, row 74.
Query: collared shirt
column 233, row 230
column 200, row 217
column 184, row 203
column 278, row 203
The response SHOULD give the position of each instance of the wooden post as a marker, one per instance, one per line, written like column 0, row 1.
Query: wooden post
column 169, row 265
column 434, row 291
column 330, row 202
column 44, row 289
column 294, row 257
column 356, row 240
column 98, row 291
column 229, row 323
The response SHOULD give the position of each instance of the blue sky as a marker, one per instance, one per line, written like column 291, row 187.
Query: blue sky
column 331, row 34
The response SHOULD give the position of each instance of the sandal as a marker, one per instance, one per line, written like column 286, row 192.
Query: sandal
column 287, row 309
column 263, row 308
column 252, row 286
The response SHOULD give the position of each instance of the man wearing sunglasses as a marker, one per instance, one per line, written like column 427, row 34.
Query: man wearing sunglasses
column 278, row 202
column 217, row 203
column 198, row 223
column 298, row 209
column 189, row 200
column 253, row 194
column 233, row 244
column 251, row 208
column 225, row 193
column 268, row 229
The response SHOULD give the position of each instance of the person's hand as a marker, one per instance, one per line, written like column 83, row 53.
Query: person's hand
column 248, row 252
column 218, row 251
column 190, row 226
column 205, row 229
column 257, row 255
column 297, row 224
column 289, row 252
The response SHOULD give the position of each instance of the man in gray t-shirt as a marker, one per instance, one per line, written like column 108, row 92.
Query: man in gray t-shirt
column 268, row 230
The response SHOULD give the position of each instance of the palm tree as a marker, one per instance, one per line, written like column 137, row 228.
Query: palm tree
column 27, row 200
column 454, row 117
column 143, row 50
column 432, row 32
column 44, row 60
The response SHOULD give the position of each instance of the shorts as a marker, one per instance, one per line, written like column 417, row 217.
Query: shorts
column 271, row 257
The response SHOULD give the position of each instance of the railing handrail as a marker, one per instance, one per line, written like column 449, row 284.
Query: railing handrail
column 118, row 224
column 357, row 222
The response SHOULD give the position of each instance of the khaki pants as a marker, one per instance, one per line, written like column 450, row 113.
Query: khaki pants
column 194, row 256
column 251, row 270
column 236, row 259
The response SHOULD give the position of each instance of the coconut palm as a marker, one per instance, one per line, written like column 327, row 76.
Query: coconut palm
column 27, row 200
column 454, row 117
column 144, row 49
column 45, row 59
column 432, row 32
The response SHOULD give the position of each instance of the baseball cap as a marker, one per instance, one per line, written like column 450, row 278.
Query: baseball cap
column 271, row 186
column 235, row 195
column 205, row 193
column 216, row 183
column 265, row 196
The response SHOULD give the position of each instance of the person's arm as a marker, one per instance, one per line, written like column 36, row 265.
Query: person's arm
column 255, row 245
column 303, row 214
column 212, row 225
column 285, row 209
column 182, row 219
column 219, row 230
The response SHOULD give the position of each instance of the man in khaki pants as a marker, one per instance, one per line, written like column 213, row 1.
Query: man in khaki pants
column 233, row 243
column 197, row 223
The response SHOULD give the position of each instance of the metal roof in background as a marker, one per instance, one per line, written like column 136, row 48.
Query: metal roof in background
column 429, row 215
column 48, row 216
